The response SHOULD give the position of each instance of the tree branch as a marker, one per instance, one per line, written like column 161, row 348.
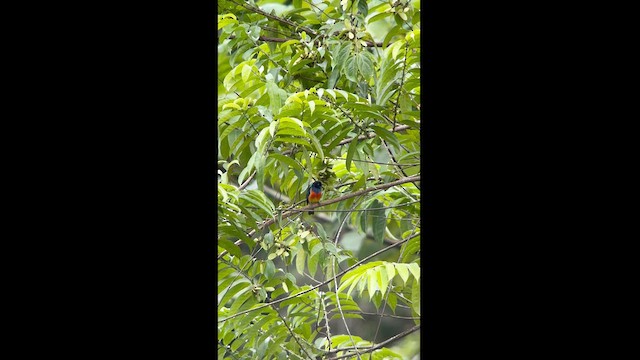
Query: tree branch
column 246, row 182
column 361, row 137
column 376, row 162
column 384, row 315
column 369, row 209
column 324, row 282
column 344, row 319
column 338, row 199
column 281, row 40
column 277, row 18
column 372, row 134
column 382, row 344
column 266, row 38
column 293, row 335
column 289, row 213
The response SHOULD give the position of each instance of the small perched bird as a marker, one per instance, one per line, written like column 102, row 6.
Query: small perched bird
column 314, row 193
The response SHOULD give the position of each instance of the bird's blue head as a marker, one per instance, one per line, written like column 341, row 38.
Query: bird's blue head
column 316, row 186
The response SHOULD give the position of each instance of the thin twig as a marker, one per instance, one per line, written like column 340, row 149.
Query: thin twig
column 326, row 320
column 344, row 319
column 284, row 321
column 404, row 67
column 246, row 182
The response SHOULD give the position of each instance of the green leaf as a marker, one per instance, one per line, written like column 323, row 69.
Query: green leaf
column 346, row 315
column 338, row 138
column 385, row 354
column 340, row 59
column 249, row 90
column 261, row 141
column 372, row 115
column 333, row 78
column 232, row 230
column 362, row 285
column 237, row 289
column 353, row 282
column 312, row 106
column 259, row 164
column 378, row 17
column 313, row 264
column 415, row 297
column 415, row 270
column 383, row 281
column 228, row 245
column 353, row 145
column 270, row 269
column 316, row 145
column 396, row 48
column 379, row 221
column 287, row 160
column 276, row 96
column 233, row 126
column 397, row 30
column 344, row 94
column 372, row 285
column 392, row 300
column 350, row 70
column 246, row 72
column 300, row 260
column 377, row 300
column 290, row 122
column 365, row 66
column 224, row 22
column 403, row 272
column 261, row 202
column 321, row 233
column 228, row 338
column 363, row 8
column 410, row 248
column 386, row 135
column 391, row 272
column 286, row 139
column 329, row 135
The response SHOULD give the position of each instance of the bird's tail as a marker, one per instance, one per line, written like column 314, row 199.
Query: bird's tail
column 310, row 212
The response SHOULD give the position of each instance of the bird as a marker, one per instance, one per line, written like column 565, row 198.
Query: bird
column 314, row 193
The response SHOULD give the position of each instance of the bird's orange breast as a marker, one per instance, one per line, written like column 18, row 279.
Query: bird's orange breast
column 314, row 197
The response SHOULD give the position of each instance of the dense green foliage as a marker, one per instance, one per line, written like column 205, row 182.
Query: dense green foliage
column 324, row 90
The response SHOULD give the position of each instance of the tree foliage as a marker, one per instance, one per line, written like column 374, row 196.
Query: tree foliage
column 324, row 90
